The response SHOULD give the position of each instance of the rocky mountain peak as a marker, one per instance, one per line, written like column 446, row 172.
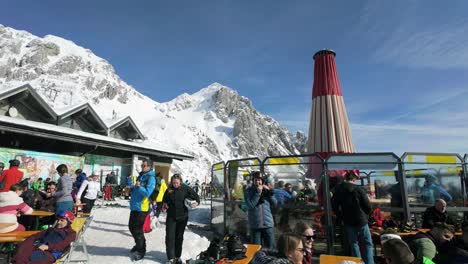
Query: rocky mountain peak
column 213, row 124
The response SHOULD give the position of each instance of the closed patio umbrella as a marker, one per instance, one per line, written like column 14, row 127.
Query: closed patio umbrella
column 329, row 130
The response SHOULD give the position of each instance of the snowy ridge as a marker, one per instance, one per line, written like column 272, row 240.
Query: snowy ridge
column 213, row 124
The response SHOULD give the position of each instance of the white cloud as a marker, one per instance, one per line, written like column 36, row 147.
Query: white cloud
column 415, row 34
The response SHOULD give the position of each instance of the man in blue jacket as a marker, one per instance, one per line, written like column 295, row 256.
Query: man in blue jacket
column 139, row 206
column 259, row 199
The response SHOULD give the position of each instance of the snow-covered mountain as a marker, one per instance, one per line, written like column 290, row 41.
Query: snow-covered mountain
column 213, row 124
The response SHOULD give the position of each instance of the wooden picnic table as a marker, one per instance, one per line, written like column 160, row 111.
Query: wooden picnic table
column 41, row 213
column 20, row 233
column 12, row 239
column 332, row 259
column 251, row 250
column 38, row 214
column 5, row 225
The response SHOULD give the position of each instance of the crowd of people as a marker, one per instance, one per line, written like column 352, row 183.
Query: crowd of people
column 267, row 212
column 266, row 203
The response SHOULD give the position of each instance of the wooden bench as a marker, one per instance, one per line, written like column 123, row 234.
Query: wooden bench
column 332, row 259
column 249, row 254
column 20, row 233
column 80, row 224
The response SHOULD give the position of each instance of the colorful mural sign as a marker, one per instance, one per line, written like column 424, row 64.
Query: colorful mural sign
column 40, row 164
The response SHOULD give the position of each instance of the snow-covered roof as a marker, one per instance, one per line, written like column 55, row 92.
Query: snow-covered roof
column 122, row 122
column 66, row 112
column 72, row 135
column 57, row 115
column 60, row 114
column 7, row 93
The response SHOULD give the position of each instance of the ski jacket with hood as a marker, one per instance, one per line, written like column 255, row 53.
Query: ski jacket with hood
column 175, row 199
column 139, row 200
column 352, row 202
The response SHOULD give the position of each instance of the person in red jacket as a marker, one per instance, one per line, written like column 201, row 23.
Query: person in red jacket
column 11, row 176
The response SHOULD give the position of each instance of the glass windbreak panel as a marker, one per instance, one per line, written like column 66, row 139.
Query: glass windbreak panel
column 295, row 181
column 217, row 198
column 430, row 177
column 378, row 177
column 238, row 178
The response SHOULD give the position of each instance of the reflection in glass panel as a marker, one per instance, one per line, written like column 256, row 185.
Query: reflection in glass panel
column 238, row 172
column 296, row 181
column 432, row 177
column 379, row 178
column 216, row 190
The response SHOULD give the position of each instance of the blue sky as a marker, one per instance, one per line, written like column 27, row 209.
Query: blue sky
column 403, row 65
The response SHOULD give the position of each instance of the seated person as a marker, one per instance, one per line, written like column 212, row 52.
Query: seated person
column 436, row 214
column 48, row 245
column 396, row 251
column 308, row 237
column 11, row 205
column 48, row 202
column 455, row 252
column 290, row 250
column 30, row 198
column 308, row 194
column 429, row 243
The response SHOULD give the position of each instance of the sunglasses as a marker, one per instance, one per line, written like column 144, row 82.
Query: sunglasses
column 310, row 237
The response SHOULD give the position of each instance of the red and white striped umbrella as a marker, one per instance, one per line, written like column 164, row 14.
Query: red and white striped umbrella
column 329, row 130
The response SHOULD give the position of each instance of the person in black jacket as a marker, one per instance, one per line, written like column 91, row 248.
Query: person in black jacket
column 437, row 214
column 352, row 204
column 174, row 202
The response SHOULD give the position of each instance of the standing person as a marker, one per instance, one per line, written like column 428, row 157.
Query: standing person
column 128, row 186
column 79, row 179
column 177, row 216
column 139, row 206
column 64, row 189
column 353, row 205
column 11, row 176
column 433, row 190
column 10, row 205
column 259, row 199
column 88, row 192
column 159, row 198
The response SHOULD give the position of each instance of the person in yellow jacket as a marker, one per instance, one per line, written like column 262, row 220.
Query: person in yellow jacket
column 159, row 198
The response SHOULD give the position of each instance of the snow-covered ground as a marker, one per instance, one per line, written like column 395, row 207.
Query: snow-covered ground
column 109, row 240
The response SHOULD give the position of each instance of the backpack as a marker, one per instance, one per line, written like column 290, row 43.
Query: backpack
column 217, row 250
column 235, row 248
column 147, row 224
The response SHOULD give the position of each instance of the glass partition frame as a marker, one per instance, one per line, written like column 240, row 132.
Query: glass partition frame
column 236, row 173
column 302, row 205
column 436, row 169
column 367, row 164
column 217, row 202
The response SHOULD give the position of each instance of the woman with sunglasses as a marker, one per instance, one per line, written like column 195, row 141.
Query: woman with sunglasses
column 290, row 251
column 308, row 237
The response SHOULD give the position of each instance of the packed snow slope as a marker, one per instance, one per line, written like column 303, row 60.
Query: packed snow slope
column 213, row 124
